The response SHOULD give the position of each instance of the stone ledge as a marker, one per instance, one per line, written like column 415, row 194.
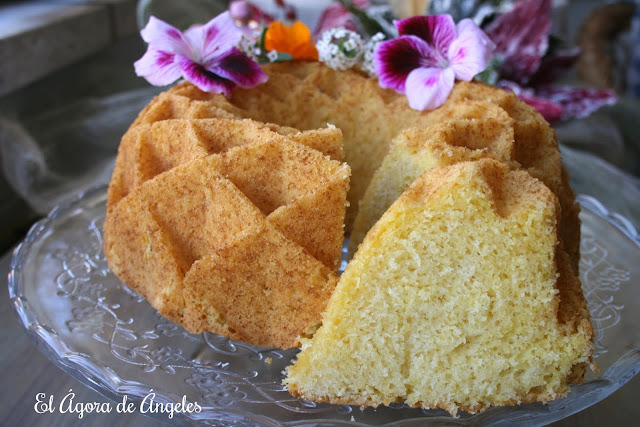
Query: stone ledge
column 38, row 37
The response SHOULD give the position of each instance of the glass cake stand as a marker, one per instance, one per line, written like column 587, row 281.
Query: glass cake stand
column 109, row 338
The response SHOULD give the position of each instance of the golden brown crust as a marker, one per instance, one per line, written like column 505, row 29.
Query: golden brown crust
column 299, row 191
column 164, row 231
column 266, row 290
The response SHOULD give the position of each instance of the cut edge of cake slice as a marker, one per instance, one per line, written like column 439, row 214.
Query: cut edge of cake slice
column 453, row 301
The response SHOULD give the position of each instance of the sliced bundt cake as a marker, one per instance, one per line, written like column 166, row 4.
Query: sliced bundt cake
column 460, row 297
column 274, row 152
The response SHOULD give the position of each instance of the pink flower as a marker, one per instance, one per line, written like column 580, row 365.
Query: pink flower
column 336, row 15
column 206, row 55
column 528, row 66
column 521, row 37
column 428, row 55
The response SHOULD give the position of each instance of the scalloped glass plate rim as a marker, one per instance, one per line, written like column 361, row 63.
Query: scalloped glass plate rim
column 93, row 374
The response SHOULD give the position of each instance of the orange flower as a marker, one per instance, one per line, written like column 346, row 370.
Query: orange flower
column 295, row 40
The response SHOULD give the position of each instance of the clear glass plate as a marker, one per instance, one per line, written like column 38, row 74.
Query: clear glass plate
column 106, row 336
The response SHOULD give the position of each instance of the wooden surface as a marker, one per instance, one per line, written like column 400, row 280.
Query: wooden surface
column 25, row 372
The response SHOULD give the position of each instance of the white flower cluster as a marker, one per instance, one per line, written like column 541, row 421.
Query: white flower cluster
column 250, row 46
column 342, row 49
column 367, row 57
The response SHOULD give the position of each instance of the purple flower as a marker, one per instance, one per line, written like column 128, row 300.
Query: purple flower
column 206, row 55
column 522, row 38
column 528, row 65
column 428, row 55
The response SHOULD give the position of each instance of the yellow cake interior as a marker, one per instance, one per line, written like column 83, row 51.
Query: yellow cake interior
column 451, row 301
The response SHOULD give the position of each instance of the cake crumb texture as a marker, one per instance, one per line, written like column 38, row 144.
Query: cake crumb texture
column 460, row 297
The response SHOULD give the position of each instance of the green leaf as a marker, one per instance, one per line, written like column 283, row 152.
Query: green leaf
column 282, row 56
column 491, row 74
column 263, row 35
column 368, row 24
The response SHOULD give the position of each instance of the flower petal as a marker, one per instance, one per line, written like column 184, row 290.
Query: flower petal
column 240, row 69
column 551, row 111
column 300, row 31
column 437, row 30
column 429, row 88
column 522, row 38
column 555, row 65
column 294, row 39
column 158, row 67
column 304, row 52
column 204, row 79
column 469, row 53
column 240, row 10
column 214, row 38
column 334, row 16
column 164, row 37
column 396, row 58
column 577, row 102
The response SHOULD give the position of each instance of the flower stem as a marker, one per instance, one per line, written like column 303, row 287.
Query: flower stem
column 368, row 24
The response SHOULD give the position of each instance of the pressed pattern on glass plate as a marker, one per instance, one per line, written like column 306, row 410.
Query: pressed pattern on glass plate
column 237, row 382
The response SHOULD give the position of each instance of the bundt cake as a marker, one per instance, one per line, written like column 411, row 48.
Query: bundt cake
column 228, row 215
column 458, row 298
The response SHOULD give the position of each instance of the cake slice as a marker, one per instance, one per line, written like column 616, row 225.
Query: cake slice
column 459, row 298
column 416, row 150
column 536, row 149
column 245, row 243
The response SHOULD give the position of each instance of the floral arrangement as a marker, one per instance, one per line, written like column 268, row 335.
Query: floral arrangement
column 420, row 56
column 206, row 55
column 428, row 55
